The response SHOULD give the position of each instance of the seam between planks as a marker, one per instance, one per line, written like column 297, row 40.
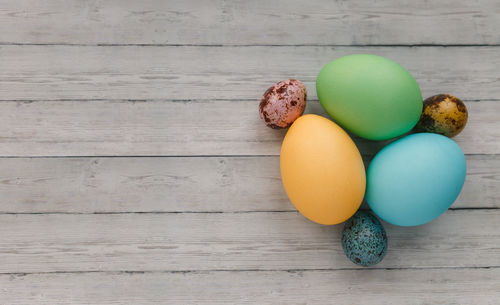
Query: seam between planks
column 201, row 271
column 206, row 212
column 166, row 100
column 243, row 45
column 172, row 156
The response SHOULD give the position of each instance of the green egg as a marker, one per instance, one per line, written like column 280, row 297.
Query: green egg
column 370, row 96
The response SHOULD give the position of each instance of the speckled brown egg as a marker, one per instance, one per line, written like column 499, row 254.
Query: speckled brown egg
column 283, row 103
column 443, row 114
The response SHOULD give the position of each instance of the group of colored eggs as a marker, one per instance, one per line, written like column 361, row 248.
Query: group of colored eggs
column 411, row 181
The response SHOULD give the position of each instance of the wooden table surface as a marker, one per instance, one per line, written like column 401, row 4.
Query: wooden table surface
column 134, row 168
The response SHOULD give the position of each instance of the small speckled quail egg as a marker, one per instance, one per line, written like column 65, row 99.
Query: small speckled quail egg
column 283, row 103
column 364, row 239
column 443, row 114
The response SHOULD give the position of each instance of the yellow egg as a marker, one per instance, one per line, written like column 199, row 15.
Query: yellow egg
column 322, row 170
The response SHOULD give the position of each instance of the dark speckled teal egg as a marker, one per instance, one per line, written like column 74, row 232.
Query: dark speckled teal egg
column 364, row 239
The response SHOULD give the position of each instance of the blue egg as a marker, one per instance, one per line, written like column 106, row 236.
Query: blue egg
column 364, row 239
column 415, row 179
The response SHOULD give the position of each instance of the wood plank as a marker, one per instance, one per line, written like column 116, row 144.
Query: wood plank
column 99, row 185
column 371, row 287
column 250, row 22
column 231, row 241
column 166, row 128
column 135, row 72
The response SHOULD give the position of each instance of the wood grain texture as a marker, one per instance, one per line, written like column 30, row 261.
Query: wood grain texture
column 166, row 128
column 170, row 128
column 193, row 210
column 205, row 184
column 370, row 287
column 231, row 241
column 250, row 22
column 187, row 73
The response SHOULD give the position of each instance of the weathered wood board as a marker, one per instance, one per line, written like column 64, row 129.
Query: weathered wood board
column 231, row 241
column 363, row 287
column 169, row 128
column 241, row 22
column 33, row 72
column 179, row 184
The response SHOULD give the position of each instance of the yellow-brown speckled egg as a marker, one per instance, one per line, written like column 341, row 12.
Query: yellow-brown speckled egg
column 443, row 114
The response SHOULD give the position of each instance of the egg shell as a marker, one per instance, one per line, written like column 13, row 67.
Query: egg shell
column 415, row 179
column 443, row 114
column 364, row 239
column 322, row 170
column 283, row 103
column 371, row 96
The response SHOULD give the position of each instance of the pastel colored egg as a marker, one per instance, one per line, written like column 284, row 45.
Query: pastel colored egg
column 364, row 239
column 371, row 96
column 283, row 103
column 322, row 170
column 443, row 114
column 415, row 179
